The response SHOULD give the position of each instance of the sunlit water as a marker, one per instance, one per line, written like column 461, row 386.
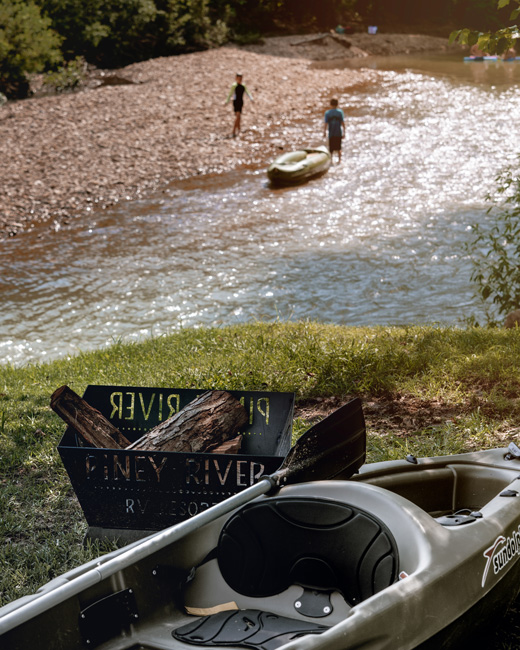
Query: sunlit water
column 377, row 240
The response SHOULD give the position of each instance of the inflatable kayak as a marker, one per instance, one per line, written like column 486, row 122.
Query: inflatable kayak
column 298, row 166
column 413, row 553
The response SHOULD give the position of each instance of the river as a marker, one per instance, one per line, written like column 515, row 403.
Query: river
column 377, row 240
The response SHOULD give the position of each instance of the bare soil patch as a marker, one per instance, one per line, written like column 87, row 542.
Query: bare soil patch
column 326, row 47
column 401, row 415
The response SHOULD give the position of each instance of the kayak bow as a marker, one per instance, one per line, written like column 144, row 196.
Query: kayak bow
column 298, row 166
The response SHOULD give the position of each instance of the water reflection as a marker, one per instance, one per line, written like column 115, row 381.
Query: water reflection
column 488, row 72
column 377, row 240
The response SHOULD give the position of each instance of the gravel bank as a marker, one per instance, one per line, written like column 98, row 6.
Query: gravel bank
column 165, row 119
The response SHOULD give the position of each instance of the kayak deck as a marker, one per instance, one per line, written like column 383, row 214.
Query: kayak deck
column 304, row 555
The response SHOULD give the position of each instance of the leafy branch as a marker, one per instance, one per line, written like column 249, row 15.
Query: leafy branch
column 495, row 248
column 496, row 42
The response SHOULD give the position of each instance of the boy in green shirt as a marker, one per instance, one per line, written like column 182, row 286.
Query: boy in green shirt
column 237, row 91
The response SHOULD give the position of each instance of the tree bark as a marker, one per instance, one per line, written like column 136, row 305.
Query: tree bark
column 229, row 447
column 91, row 425
column 205, row 423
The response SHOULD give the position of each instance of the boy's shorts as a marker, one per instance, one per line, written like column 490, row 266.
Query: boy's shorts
column 335, row 143
column 237, row 105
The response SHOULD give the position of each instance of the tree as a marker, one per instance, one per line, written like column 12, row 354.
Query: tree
column 493, row 42
column 112, row 33
column 27, row 45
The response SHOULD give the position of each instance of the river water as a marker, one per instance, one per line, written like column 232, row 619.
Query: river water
column 377, row 240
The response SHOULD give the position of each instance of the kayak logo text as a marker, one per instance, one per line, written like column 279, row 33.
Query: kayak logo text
column 501, row 552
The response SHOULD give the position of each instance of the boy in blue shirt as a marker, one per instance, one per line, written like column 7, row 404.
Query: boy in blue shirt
column 335, row 121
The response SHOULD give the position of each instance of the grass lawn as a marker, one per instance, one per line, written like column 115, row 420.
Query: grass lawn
column 426, row 391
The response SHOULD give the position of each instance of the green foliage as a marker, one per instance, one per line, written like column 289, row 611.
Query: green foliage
column 67, row 77
column 27, row 44
column 117, row 32
column 495, row 247
column 498, row 41
column 91, row 28
column 200, row 27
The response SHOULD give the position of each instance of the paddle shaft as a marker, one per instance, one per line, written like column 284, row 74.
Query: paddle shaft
column 126, row 558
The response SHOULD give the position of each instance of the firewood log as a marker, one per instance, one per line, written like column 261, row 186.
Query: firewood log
column 229, row 447
column 205, row 423
column 90, row 424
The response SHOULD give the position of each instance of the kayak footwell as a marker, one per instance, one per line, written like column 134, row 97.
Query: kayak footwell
column 248, row 628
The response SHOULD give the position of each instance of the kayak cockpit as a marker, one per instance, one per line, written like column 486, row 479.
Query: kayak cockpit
column 441, row 488
column 319, row 553
column 297, row 166
column 304, row 559
column 296, row 555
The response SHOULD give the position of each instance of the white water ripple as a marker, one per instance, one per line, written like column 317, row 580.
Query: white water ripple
column 377, row 240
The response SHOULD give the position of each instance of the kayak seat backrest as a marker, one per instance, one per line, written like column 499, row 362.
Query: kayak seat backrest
column 321, row 544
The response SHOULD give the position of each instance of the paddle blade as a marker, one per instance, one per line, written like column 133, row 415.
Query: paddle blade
column 332, row 448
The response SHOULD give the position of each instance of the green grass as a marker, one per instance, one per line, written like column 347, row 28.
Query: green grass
column 41, row 524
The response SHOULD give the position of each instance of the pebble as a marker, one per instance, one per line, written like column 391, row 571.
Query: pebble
column 62, row 153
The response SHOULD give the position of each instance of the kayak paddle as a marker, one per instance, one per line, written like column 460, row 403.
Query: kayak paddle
column 334, row 447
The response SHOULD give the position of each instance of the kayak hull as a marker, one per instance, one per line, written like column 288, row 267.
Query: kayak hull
column 299, row 166
column 449, row 526
column 478, row 621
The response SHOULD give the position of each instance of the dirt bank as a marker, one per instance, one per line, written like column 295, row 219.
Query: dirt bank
column 129, row 132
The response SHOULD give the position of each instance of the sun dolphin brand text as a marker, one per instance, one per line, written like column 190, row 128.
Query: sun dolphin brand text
column 501, row 553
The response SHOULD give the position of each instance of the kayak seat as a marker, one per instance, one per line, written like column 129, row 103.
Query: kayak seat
column 316, row 543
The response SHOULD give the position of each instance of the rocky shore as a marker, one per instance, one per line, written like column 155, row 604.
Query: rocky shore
column 130, row 131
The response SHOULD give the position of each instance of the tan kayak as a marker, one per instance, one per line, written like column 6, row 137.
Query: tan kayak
column 298, row 166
